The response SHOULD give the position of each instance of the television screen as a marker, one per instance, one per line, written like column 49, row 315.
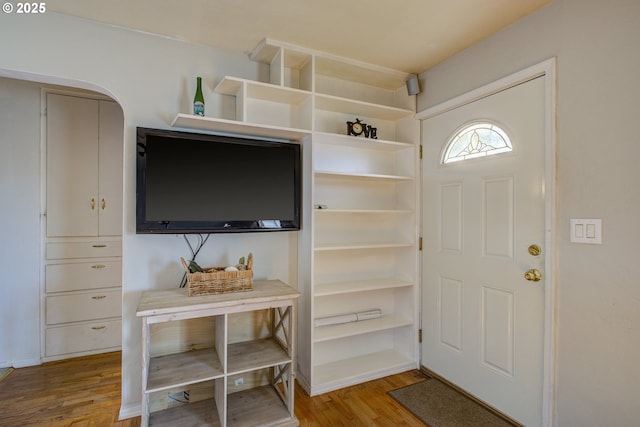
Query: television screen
column 200, row 183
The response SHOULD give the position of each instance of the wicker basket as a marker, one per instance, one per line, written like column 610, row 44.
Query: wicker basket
column 214, row 280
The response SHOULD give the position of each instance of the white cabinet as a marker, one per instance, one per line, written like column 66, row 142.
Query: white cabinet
column 110, row 172
column 84, row 167
column 358, row 249
column 82, row 298
column 189, row 377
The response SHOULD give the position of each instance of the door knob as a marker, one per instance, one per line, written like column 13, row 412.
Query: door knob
column 533, row 275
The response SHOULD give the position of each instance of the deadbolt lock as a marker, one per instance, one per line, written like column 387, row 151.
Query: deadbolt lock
column 535, row 250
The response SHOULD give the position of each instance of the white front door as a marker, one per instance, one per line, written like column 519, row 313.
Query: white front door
column 482, row 320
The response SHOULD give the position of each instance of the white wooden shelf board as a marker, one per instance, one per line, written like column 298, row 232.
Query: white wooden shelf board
column 360, row 73
column 202, row 413
column 332, row 332
column 352, row 371
column 333, row 66
column 362, row 176
column 255, row 355
column 260, row 406
column 278, row 94
column 229, row 86
column 360, row 108
column 264, row 91
column 295, row 60
column 359, row 142
column 179, row 369
column 266, row 51
column 359, row 286
column 363, row 211
column 235, row 127
column 363, row 245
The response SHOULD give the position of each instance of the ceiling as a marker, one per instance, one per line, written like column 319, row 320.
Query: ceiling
column 407, row 35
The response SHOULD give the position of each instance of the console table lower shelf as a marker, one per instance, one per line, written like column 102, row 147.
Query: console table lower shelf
column 186, row 381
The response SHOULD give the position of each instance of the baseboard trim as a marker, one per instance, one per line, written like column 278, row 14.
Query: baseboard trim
column 302, row 380
column 24, row 363
column 130, row 411
column 488, row 407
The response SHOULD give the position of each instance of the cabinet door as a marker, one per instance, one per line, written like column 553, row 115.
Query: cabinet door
column 72, row 162
column 110, row 169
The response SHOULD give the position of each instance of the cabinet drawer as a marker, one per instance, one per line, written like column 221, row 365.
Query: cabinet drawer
column 86, row 306
column 94, row 249
column 86, row 275
column 87, row 337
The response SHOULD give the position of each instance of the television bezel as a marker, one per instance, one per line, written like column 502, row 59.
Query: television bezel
column 144, row 226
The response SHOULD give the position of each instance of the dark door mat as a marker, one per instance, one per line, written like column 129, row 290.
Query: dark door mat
column 439, row 405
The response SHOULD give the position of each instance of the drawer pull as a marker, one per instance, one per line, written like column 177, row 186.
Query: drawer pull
column 99, row 297
column 99, row 246
column 99, row 266
column 96, row 328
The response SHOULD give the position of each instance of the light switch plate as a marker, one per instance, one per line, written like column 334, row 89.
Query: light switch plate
column 586, row 231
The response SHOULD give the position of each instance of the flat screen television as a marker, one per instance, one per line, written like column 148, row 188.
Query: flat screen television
column 202, row 183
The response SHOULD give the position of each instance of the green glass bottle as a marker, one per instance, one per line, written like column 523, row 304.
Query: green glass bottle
column 198, row 100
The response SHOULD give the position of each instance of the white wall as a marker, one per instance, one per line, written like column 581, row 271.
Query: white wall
column 153, row 79
column 19, row 223
column 597, row 46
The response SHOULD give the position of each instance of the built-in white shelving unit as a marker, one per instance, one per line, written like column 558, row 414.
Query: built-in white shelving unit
column 359, row 250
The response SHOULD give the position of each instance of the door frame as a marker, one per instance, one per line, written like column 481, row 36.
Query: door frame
column 547, row 69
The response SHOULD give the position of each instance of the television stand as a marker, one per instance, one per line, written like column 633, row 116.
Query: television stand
column 210, row 371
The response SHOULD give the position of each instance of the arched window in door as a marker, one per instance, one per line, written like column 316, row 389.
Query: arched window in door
column 478, row 139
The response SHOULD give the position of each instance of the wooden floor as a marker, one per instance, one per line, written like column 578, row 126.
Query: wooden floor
column 85, row 392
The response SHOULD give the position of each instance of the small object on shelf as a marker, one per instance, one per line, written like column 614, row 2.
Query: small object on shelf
column 320, row 206
column 358, row 128
column 336, row 320
column 371, row 314
column 198, row 100
column 348, row 318
column 371, row 132
column 241, row 265
column 194, row 267
column 355, row 128
column 218, row 280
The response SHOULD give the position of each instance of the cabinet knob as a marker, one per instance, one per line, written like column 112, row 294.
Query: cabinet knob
column 93, row 203
column 103, row 204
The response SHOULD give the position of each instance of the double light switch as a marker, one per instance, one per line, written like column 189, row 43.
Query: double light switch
column 586, row 231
